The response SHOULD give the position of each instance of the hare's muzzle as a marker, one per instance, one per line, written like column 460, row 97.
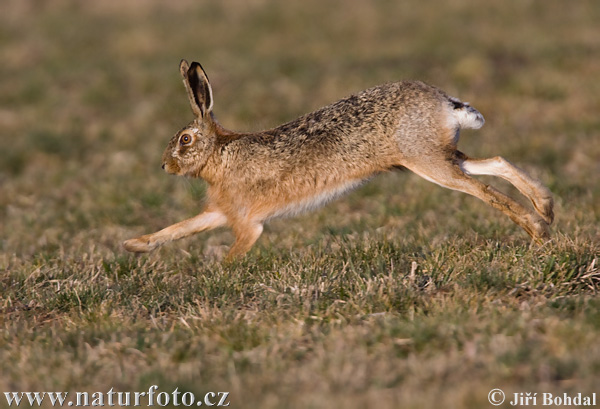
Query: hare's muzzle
column 171, row 168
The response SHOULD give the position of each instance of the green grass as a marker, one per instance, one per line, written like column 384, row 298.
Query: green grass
column 402, row 294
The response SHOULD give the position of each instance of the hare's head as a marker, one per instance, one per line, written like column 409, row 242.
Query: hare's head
column 190, row 148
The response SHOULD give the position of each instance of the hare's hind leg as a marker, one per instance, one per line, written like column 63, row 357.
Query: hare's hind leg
column 448, row 173
column 540, row 195
column 204, row 221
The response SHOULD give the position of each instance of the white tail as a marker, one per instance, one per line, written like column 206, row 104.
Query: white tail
column 465, row 115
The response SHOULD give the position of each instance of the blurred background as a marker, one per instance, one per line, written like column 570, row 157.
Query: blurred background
column 324, row 311
column 90, row 94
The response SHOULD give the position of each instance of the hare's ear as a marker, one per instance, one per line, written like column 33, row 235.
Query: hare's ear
column 198, row 88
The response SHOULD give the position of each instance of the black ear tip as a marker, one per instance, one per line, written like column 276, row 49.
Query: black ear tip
column 195, row 65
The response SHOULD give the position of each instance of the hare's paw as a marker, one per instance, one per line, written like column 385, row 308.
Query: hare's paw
column 537, row 228
column 544, row 206
column 141, row 244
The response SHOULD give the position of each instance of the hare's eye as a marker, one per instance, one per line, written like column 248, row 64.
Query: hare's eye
column 185, row 139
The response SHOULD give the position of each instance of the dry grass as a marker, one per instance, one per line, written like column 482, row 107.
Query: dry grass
column 401, row 295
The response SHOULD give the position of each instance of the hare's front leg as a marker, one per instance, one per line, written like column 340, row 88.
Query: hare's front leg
column 204, row 221
column 246, row 234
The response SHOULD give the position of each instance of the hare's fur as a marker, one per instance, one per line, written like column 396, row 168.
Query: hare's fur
column 300, row 165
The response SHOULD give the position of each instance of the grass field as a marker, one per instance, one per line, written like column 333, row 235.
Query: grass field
column 401, row 295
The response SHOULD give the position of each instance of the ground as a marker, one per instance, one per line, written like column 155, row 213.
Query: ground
column 402, row 294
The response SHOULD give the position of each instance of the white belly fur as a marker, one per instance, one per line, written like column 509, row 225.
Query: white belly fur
column 313, row 202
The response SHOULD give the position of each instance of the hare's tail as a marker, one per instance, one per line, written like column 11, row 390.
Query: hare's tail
column 465, row 115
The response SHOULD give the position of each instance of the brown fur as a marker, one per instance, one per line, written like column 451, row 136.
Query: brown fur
column 299, row 165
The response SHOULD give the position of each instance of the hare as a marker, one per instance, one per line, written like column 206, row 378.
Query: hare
column 303, row 164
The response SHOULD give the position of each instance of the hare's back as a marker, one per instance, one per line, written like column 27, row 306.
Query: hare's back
column 375, row 112
column 357, row 132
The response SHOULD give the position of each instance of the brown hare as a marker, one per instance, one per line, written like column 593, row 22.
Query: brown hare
column 298, row 166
